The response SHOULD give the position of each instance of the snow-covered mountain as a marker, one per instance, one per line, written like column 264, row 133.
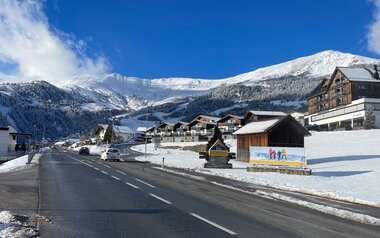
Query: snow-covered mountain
column 80, row 103
column 141, row 92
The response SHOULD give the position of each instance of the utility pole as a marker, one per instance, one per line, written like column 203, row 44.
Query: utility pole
column 146, row 133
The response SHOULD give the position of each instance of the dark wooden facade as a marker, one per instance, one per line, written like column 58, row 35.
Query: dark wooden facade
column 286, row 132
column 201, row 125
column 181, row 127
column 341, row 90
column 231, row 120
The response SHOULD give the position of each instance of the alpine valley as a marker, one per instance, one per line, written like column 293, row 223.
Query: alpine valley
column 81, row 103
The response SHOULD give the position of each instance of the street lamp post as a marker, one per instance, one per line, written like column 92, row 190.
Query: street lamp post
column 146, row 134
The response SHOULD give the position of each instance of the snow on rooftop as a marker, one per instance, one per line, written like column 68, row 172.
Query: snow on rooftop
column 256, row 127
column 358, row 74
column 119, row 129
column 268, row 113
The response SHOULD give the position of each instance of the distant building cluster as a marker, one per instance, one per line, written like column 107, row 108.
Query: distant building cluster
column 201, row 127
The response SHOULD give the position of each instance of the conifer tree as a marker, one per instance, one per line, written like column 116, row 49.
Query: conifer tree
column 109, row 135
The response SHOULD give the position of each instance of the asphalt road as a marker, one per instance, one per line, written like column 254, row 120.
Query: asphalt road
column 86, row 197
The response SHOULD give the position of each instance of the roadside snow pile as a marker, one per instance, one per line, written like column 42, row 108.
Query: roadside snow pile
column 345, row 165
column 11, row 227
column 19, row 163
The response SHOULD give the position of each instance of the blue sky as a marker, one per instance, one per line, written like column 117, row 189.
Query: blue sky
column 195, row 38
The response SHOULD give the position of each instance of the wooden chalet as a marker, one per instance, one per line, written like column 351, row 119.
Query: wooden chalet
column 206, row 118
column 344, row 86
column 230, row 123
column 164, row 129
column 252, row 116
column 280, row 131
column 201, row 127
column 181, row 128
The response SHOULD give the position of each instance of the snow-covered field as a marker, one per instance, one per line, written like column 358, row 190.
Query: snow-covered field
column 346, row 166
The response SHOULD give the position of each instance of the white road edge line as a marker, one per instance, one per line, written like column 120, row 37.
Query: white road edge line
column 115, row 177
column 121, row 172
column 150, row 185
column 214, row 224
column 160, row 198
column 103, row 172
column 132, row 185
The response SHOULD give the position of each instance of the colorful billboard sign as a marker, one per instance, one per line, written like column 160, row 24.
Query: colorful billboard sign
column 290, row 156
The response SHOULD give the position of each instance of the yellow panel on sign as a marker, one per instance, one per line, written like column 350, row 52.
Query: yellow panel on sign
column 276, row 162
column 218, row 149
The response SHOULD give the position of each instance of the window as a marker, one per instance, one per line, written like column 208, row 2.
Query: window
column 362, row 86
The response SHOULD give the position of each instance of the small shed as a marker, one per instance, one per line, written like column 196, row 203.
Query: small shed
column 281, row 131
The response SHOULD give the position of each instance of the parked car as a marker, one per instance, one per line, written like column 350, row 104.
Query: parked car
column 84, row 151
column 111, row 154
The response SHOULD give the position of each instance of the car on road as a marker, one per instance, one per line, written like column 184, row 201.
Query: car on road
column 84, row 151
column 110, row 154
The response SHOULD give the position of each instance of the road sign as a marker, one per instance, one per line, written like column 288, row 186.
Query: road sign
column 218, row 149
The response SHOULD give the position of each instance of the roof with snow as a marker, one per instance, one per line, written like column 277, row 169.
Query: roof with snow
column 359, row 74
column 268, row 113
column 119, row 129
column 257, row 127
column 141, row 129
column 210, row 117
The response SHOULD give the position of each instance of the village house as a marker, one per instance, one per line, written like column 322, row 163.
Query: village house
column 340, row 102
column 229, row 124
column 251, row 116
column 122, row 133
column 210, row 119
column 8, row 142
column 280, row 131
column 181, row 129
column 164, row 129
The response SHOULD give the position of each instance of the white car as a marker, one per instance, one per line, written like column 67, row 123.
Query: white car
column 111, row 154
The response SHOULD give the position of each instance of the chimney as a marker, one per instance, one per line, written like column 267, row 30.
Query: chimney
column 376, row 73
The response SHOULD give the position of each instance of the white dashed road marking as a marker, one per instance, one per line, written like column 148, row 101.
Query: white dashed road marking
column 121, row 172
column 213, row 224
column 132, row 185
column 150, row 185
column 160, row 198
column 115, row 177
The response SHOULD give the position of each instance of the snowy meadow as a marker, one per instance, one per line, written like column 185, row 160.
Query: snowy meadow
column 345, row 165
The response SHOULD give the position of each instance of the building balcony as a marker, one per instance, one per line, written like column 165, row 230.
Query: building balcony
column 337, row 94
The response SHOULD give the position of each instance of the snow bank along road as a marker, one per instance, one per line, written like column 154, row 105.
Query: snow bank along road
column 85, row 198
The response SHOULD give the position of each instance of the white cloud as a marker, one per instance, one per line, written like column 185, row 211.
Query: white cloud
column 373, row 34
column 40, row 51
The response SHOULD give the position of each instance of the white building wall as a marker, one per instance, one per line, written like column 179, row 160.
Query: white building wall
column 359, row 113
column 4, row 141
